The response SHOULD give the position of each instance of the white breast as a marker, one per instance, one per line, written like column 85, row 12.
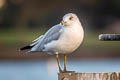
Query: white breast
column 70, row 40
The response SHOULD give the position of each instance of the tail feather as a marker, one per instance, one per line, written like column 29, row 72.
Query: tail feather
column 25, row 48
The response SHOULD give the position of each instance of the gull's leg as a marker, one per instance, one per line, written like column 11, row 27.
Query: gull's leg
column 65, row 58
column 58, row 61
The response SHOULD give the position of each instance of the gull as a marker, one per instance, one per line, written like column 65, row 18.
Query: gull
column 61, row 39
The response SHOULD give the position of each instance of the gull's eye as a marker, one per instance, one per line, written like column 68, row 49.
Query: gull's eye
column 71, row 18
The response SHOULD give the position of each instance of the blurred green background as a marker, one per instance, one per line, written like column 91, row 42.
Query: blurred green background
column 21, row 21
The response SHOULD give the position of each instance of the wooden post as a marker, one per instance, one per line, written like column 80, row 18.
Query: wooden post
column 89, row 76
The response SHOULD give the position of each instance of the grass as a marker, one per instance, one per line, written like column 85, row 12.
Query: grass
column 12, row 37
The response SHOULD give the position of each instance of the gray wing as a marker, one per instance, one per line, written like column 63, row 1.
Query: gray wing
column 51, row 35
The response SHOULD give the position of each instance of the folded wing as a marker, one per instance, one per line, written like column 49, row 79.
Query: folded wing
column 51, row 35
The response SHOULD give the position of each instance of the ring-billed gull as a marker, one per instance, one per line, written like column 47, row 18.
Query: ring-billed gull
column 62, row 38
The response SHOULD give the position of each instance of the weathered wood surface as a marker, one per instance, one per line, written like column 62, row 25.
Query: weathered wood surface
column 89, row 76
column 109, row 37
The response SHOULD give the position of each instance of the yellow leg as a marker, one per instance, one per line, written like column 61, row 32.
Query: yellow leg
column 58, row 61
column 65, row 59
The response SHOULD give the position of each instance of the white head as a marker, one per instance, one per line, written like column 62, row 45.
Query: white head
column 70, row 19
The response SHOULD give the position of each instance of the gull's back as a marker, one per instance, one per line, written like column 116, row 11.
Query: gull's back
column 51, row 35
